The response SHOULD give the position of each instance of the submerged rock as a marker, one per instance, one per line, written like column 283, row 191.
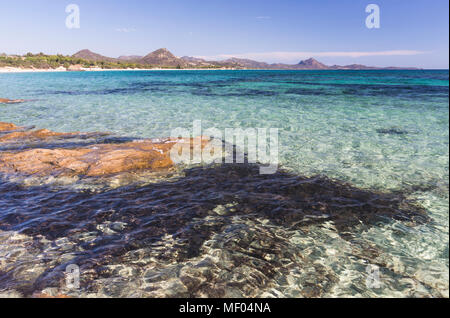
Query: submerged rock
column 219, row 231
column 391, row 131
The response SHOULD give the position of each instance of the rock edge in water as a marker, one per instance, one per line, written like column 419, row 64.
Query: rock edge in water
column 11, row 101
column 94, row 160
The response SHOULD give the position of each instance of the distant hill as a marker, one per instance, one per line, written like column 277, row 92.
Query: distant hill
column 91, row 56
column 130, row 58
column 190, row 59
column 246, row 63
column 312, row 64
column 164, row 58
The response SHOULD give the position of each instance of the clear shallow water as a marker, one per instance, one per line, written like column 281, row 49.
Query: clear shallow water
column 377, row 130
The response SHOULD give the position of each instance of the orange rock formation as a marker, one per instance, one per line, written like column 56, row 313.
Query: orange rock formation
column 7, row 126
column 91, row 161
column 10, row 101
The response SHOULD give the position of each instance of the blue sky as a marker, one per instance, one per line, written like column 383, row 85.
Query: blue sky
column 412, row 33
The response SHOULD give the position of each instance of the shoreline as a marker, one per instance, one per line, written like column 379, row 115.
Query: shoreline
column 16, row 70
column 7, row 70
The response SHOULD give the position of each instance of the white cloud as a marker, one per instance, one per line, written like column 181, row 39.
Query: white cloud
column 125, row 30
column 263, row 17
column 295, row 56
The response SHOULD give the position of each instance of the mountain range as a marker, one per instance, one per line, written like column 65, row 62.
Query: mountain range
column 164, row 58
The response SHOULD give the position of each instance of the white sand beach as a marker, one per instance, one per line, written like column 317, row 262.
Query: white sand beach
column 9, row 69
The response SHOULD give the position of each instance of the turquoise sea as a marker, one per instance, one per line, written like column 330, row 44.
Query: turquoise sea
column 376, row 131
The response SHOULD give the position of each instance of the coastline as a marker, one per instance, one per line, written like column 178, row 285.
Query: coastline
column 13, row 70
column 4, row 70
column 7, row 70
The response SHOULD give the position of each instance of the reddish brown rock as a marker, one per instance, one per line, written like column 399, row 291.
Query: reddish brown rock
column 99, row 160
column 91, row 161
column 8, row 126
column 11, row 101
column 13, row 133
column 33, row 135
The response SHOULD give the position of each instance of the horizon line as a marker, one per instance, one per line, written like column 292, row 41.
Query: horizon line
column 283, row 57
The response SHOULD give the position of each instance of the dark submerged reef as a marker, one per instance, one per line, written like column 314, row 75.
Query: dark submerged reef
column 391, row 131
column 274, row 86
column 221, row 230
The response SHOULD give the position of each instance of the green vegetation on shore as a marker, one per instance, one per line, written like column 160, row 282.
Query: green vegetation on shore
column 43, row 61
column 159, row 59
